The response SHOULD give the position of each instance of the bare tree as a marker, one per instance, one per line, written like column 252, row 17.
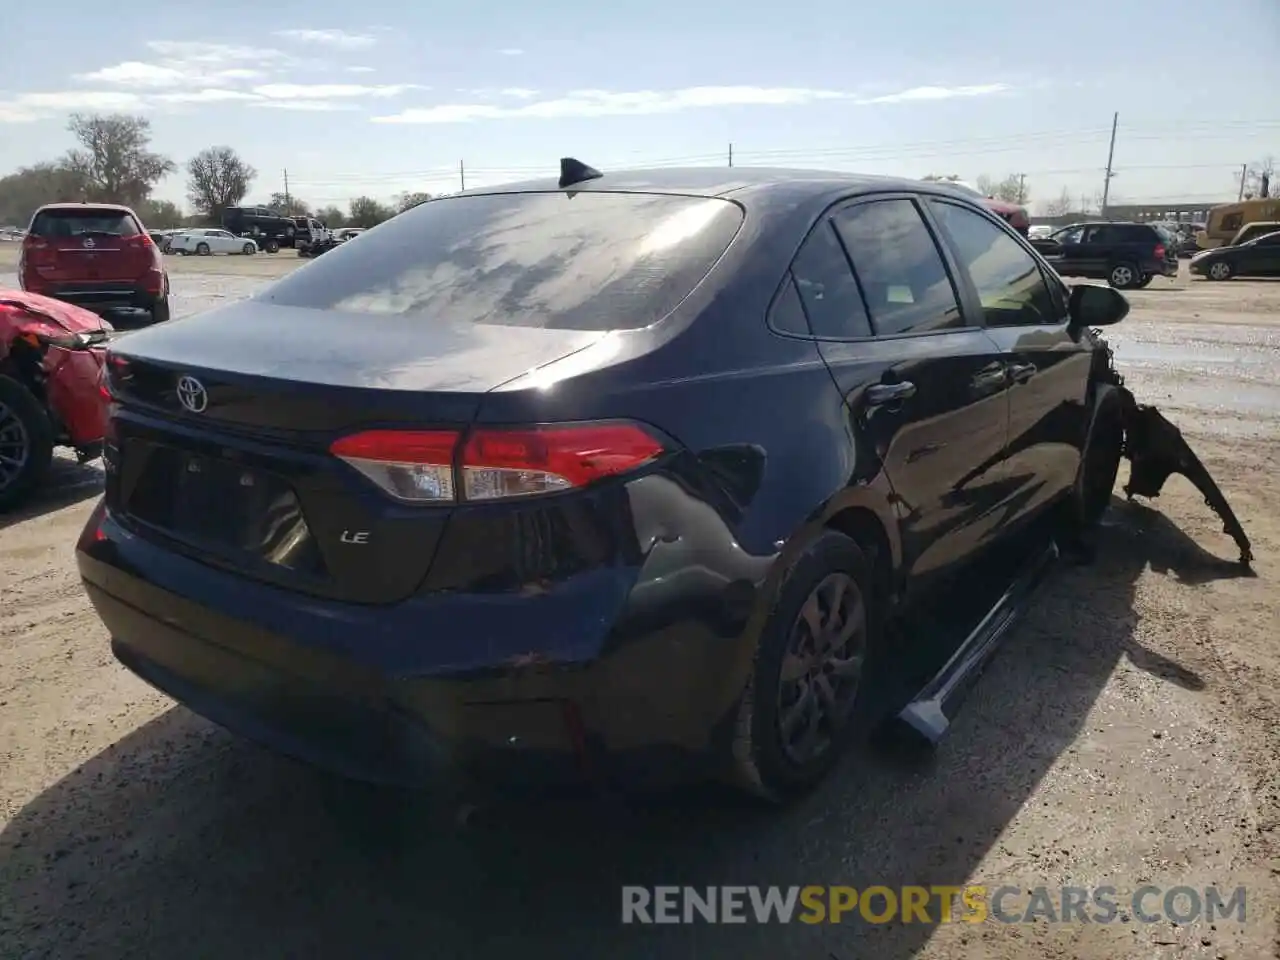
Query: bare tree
column 368, row 212
column 1064, row 204
column 216, row 179
column 408, row 200
column 1260, row 179
column 1012, row 189
column 288, row 205
column 159, row 214
column 113, row 158
column 332, row 217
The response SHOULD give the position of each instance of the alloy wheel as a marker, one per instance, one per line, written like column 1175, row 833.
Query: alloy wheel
column 822, row 668
column 1121, row 276
column 15, row 446
column 1219, row 271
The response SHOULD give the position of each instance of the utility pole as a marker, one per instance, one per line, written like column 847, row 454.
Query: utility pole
column 288, row 205
column 731, row 154
column 1111, row 154
column 1022, row 188
column 1244, row 174
column 462, row 175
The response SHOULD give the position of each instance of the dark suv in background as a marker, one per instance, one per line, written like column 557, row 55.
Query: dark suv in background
column 269, row 229
column 1126, row 255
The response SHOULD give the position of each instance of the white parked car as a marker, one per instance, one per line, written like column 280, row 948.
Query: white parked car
column 343, row 234
column 204, row 243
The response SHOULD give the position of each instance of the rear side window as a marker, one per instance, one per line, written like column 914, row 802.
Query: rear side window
column 828, row 288
column 584, row 261
column 85, row 221
column 899, row 267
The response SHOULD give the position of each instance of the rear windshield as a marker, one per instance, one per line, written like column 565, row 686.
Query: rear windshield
column 74, row 223
column 585, row 261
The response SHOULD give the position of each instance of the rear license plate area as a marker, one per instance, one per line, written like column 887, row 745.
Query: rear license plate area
column 218, row 505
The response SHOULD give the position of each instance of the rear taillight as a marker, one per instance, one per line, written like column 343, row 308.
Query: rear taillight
column 1159, row 251
column 494, row 464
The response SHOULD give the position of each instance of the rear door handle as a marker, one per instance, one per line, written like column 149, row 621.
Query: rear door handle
column 1021, row 372
column 882, row 393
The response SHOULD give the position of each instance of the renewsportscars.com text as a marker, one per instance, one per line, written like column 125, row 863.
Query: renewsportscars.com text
column 928, row 905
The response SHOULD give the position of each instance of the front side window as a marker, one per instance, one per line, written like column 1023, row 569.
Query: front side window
column 899, row 267
column 1008, row 279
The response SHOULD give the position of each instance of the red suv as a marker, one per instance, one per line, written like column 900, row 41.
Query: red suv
column 51, row 358
column 94, row 255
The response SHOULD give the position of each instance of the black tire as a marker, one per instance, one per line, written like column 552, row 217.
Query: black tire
column 1099, row 466
column 26, row 434
column 1220, row 270
column 272, row 246
column 202, row 250
column 1123, row 276
column 764, row 763
column 249, row 249
column 160, row 311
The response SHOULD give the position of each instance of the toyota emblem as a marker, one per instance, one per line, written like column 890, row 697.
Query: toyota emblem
column 88, row 243
column 192, row 394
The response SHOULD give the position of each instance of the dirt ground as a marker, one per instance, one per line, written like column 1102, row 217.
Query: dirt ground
column 1127, row 734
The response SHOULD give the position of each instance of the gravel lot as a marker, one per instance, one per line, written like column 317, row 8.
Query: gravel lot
column 1128, row 733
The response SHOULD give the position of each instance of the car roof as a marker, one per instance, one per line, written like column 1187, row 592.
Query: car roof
column 741, row 183
column 86, row 206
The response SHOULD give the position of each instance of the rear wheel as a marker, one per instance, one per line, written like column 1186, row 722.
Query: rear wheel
column 796, row 714
column 272, row 246
column 160, row 311
column 1123, row 276
column 1220, row 270
column 202, row 250
column 26, row 442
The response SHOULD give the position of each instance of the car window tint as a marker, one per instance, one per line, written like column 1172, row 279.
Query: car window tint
column 1008, row 279
column 588, row 260
column 899, row 267
column 787, row 315
column 827, row 287
column 78, row 221
column 1270, row 240
column 1072, row 235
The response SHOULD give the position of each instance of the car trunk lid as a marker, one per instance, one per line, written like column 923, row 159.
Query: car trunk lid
column 229, row 460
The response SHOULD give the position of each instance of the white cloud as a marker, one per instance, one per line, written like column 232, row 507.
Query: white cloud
column 309, row 106
column 175, row 73
column 197, row 51
column 207, row 95
column 600, row 103
column 511, row 51
column 358, row 69
column 939, row 93
column 327, row 91
column 518, row 93
column 329, row 38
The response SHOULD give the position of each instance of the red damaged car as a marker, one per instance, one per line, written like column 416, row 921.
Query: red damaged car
column 51, row 357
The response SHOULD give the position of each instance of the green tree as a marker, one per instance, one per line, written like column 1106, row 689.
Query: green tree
column 29, row 188
column 332, row 217
column 368, row 212
column 159, row 214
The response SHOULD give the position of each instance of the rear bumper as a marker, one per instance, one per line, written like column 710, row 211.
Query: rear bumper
column 354, row 690
column 105, row 296
column 1164, row 268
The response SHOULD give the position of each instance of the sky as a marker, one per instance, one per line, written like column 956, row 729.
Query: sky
column 377, row 97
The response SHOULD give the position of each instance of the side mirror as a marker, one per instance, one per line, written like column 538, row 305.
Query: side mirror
column 1095, row 306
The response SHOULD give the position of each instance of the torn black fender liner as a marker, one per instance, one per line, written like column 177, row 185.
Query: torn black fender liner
column 1156, row 450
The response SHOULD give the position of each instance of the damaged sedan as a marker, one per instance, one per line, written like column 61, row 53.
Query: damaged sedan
column 615, row 478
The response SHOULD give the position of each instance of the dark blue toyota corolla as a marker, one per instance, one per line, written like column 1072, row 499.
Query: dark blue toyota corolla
column 616, row 475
